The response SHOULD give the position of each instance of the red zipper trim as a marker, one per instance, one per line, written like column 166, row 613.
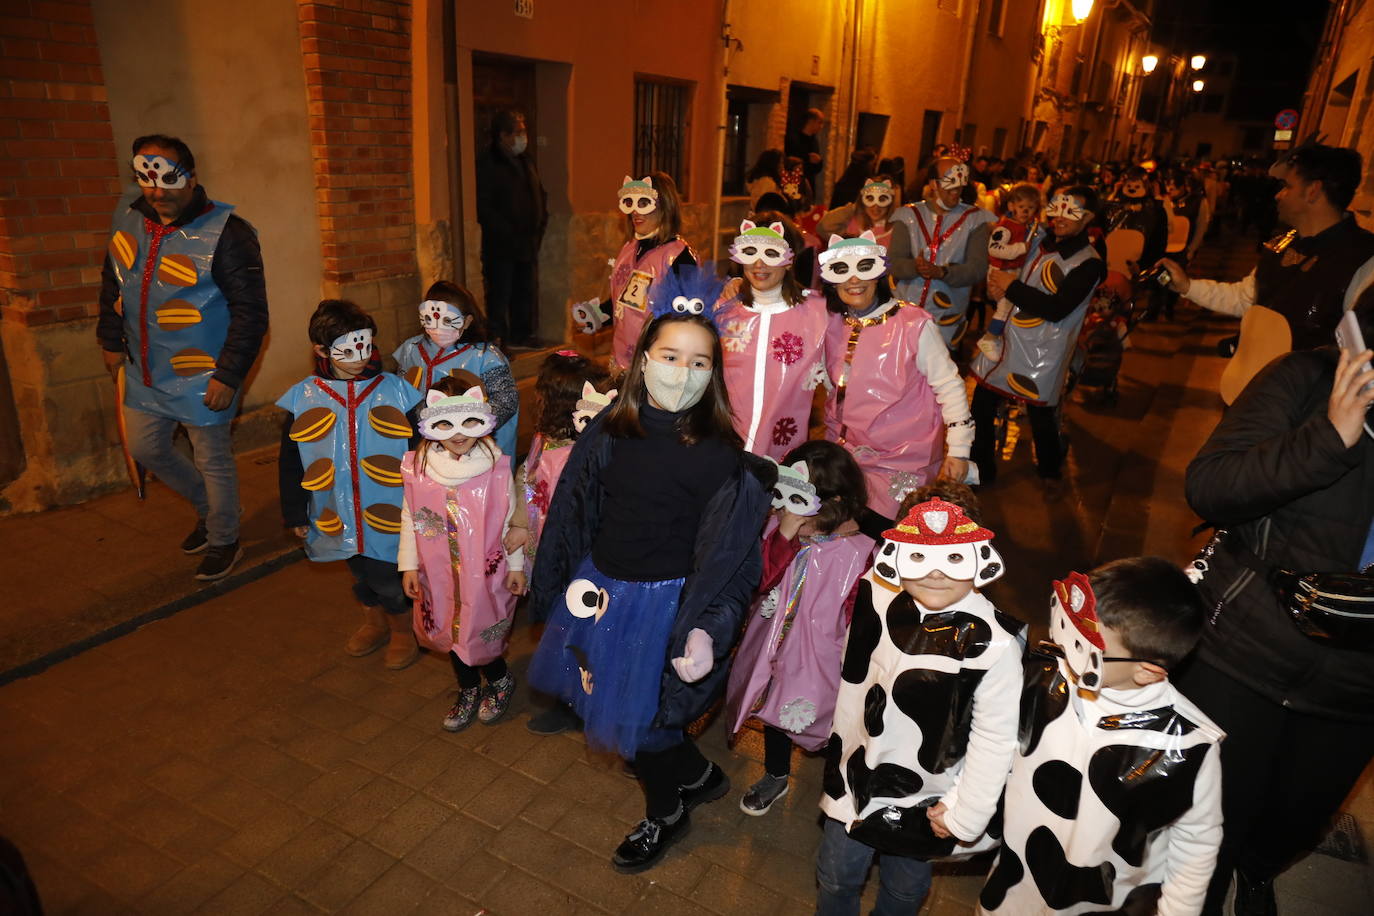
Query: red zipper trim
column 351, row 404
column 437, row 361
column 158, row 232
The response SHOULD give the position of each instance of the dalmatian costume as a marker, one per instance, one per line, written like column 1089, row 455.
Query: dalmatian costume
column 925, row 712
column 1114, row 798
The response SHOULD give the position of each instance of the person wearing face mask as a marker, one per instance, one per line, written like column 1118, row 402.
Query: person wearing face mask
column 898, row 403
column 650, row 554
column 773, row 334
column 453, row 342
column 871, row 211
column 942, row 250
column 512, row 209
column 339, row 471
column 653, row 223
column 1050, row 295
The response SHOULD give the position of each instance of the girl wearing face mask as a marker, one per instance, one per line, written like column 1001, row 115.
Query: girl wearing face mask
column 871, row 211
column 773, row 334
column 653, row 246
column 458, row 503
column 454, row 341
column 898, row 404
column 649, row 556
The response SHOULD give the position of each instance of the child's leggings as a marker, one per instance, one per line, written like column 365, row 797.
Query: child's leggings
column 470, row 676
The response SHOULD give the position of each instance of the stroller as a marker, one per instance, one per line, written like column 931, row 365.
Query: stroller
column 1102, row 344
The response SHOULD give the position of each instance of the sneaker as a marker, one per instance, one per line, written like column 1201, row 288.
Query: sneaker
column 460, row 714
column 219, row 561
column 761, row 795
column 197, row 540
column 647, row 843
column 555, row 720
column 710, row 787
column 496, row 699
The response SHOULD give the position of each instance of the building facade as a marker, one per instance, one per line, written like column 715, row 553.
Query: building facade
column 1337, row 102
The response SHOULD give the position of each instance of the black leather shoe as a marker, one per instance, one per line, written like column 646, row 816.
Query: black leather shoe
column 647, row 843
column 1254, row 898
column 713, row 786
column 554, row 720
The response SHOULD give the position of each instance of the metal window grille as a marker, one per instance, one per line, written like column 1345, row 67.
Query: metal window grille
column 661, row 129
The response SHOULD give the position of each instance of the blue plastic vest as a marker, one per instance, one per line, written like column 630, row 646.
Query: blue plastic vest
column 352, row 437
column 420, row 363
column 175, row 317
column 949, row 232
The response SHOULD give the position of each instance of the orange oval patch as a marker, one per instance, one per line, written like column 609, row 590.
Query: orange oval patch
column 319, row 476
column 177, row 270
column 191, row 361
column 329, row 522
column 311, row 424
column 176, row 314
column 124, row 249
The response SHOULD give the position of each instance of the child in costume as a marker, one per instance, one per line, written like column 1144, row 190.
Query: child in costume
column 925, row 721
column 874, row 211
column 649, row 558
column 773, row 331
column 455, row 342
column 898, row 403
column 567, row 398
column 1114, row 798
column 459, row 498
column 339, row 471
column 787, row 669
column 654, row 246
column 1011, row 238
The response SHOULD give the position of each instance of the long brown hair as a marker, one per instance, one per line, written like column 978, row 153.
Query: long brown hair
column 862, row 212
column 838, row 479
column 558, row 389
column 710, row 417
column 669, row 204
column 792, row 291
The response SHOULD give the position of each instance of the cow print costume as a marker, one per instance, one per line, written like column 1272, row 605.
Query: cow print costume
column 1113, row 804
column 926, row 710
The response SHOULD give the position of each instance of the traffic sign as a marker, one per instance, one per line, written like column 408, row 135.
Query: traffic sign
column 1286, row 119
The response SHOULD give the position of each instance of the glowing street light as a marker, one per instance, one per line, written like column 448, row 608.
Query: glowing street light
column 1148, row 63
column 1199, row 61
column 1197, row 85
column 1082, row 9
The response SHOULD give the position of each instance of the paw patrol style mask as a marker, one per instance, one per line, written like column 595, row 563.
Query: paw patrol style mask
column 353, row 347
column 1075, row 629
column 638, row 196
column 860, row 257
column 937, row 535
column 761, row 243
column 590, row 404
column 877, row 194
column 1065, row 206
column 443, row 321
column 468, row 414
column 795, row 492
column 159, row 172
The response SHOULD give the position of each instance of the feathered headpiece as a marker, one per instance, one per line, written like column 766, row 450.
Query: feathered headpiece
column 686, row 290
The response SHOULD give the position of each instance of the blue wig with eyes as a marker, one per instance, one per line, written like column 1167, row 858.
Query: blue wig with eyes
column 686, row 289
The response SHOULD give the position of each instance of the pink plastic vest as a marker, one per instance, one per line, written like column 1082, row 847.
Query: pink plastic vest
column 787, row 669
column 543, row 467
column 630, row 282
column 458, row 539
column 882, row 408
column 772, row 362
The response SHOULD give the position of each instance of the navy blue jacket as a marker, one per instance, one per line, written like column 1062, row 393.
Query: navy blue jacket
column 726, row 563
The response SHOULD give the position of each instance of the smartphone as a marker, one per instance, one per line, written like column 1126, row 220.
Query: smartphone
column 1350, row 339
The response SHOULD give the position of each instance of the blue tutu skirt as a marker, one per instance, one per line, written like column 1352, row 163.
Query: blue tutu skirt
column 603, row 653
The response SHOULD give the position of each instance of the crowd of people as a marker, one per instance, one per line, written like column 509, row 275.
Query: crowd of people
column 688, row 544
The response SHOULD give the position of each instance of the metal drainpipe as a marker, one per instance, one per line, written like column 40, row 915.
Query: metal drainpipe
column 454, row 150
column 852, row 125
column 722, row 125
column 968, row 74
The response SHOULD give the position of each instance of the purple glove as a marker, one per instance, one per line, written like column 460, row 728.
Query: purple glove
column 699, row 658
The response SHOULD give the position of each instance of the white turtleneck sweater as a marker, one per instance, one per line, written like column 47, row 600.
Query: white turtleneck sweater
column 449, row 470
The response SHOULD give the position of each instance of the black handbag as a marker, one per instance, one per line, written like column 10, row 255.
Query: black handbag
column 1333, row 608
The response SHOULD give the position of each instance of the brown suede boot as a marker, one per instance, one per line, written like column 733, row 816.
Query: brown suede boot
column 402, row 650
column 369, row 637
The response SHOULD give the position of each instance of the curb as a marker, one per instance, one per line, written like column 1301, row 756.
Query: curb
column 228, row 584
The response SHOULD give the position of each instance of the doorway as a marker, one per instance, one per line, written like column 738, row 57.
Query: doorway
column 801, row 97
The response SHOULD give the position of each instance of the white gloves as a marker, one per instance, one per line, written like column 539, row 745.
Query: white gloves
column 699, row 658
column 587, row 316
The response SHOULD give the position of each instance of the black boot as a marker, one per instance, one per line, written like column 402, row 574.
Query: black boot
column 1254, row 897
column 650, row 839
column 712, row 785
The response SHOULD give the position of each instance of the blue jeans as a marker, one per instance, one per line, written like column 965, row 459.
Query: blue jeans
column 210, row 483
column 842, row 865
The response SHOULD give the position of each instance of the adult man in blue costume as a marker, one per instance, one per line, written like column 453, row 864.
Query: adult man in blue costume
column 183, row 310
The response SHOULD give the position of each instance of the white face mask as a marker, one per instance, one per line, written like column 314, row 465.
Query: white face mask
column 675, row 388
column 519, row 144
column 442, row 321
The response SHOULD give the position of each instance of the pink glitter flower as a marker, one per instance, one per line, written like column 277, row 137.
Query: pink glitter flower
column 787, row 348
column 784, row 431
column 540, row 498
column 493, row 561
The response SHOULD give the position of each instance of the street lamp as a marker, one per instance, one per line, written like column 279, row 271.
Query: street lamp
column 1082, row 9
column 1198, row 85
column 1148, row 63
column 1198, row 61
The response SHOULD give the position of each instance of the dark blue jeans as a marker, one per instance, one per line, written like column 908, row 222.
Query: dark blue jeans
column 842, row 866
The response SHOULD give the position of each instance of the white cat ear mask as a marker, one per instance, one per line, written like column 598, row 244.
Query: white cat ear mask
column 795, row 492
column 468, row 414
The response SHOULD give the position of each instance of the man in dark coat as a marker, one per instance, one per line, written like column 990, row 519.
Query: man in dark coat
column 805, row 143
column 512, row 210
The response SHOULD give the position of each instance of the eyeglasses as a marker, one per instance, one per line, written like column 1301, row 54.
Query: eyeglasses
column 1055, row 650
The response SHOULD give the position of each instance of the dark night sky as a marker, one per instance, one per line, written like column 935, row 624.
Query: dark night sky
column 1274, row 40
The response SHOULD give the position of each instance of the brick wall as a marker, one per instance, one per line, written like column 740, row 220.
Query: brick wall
column 58, row 172
column 357, row 74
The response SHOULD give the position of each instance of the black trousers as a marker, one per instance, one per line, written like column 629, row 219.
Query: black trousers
column 1044, row 424
column 1284, row 775
column 470, row 676
column 664, row 773
column 777, row 752
column 511, row 295
column 377, row 583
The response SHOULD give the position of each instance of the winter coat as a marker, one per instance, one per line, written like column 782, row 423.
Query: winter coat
column 1276, row 476
column 726, row 563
